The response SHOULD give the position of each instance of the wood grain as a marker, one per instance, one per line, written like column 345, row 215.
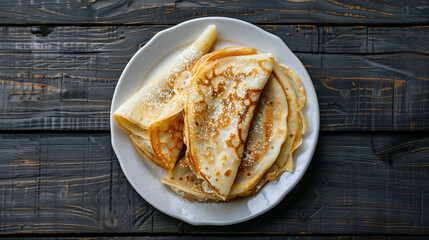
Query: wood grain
column 371, row 92
column 63, row 78
column 357, row 183
column 176, row 11
column 223, row 236
column 235, row 236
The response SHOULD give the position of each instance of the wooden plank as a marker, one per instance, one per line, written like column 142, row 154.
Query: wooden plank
column 176, row 11
column 371, row 92
column 235, row 237
column 222, row 237
column 361, row 39
column 63, row 78
column 67, row 183
column 357, row 183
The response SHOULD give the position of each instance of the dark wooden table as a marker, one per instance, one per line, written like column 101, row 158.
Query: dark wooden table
column 59, row 64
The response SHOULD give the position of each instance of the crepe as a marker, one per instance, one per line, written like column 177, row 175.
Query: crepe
column 295, row 121
column 220, row 104
column 145, row 149
column 279, row 87
column 186, row 183
column 166, row 133
column 266, row 136
column 145, row 107
column 300, row 92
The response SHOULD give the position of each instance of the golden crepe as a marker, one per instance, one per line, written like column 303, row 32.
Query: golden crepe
column 296, row 124
column 186, row 183
column 295, row 121
column 166, row 133
column 144, row 108
column 266, row 136
column 300, row 92
column 220, row 104
column 190, row 187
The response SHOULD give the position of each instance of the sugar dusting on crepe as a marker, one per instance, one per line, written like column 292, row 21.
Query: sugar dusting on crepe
column 220, row 106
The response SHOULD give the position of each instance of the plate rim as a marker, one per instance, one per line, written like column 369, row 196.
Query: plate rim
column 212, row 222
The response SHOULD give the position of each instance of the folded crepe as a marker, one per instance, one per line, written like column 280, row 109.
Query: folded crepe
column 186, row 183
column 220, row 104
column 295, row 121
column 166, row 133
column 296, row 125
column 300, row 92
column 148, row 105
column 266, row 136
column 269, row 145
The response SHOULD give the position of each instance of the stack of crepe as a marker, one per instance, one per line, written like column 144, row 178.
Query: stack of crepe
column 221, row 124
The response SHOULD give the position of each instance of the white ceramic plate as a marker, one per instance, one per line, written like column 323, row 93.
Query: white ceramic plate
column 145, row 177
